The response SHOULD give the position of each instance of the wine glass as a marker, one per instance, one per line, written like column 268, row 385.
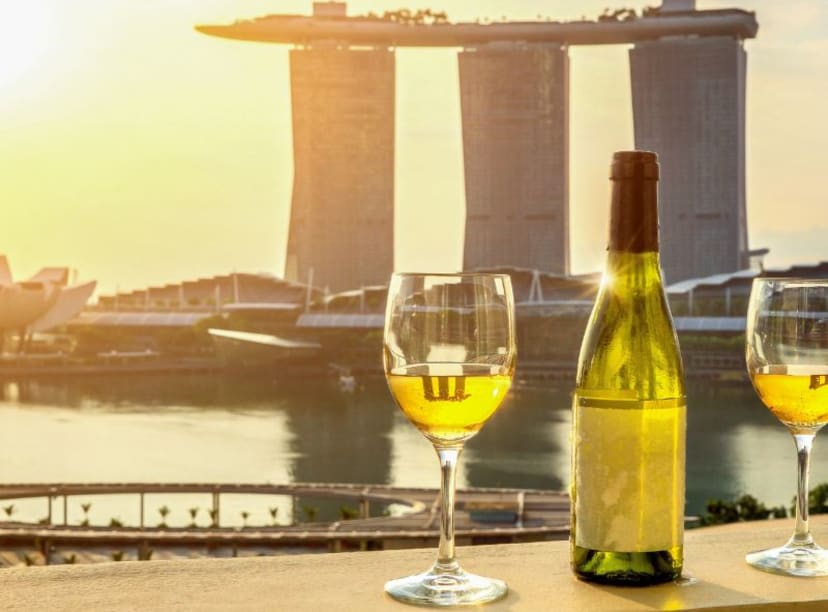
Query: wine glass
column 449, row 355
column 787, row 359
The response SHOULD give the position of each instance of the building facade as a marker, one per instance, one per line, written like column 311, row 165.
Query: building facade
column 689, row 107
column 341, row 233
column 515, row 100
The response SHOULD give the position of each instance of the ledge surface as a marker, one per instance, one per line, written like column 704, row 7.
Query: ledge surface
column 538, row 576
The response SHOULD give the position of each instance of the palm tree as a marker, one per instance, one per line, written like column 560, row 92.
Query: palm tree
column 9, row 510
column 310, row 512
column 193, row 513
column 273, row 512
column 163, row 511
column 244, row 514
column 347, row 513
column 85, row 507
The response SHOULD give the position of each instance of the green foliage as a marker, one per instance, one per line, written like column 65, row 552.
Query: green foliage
column 193, row 513
column 746, row 508
column 9, row 510
column 348, row 512
column 187, row 341
column 117, row 555
column 817, row 500
column 409, row 17
column 86, row 508
column 245, row 515
column 163, row 511
column 273, row 513
column 115, row 522
column 310, row 512
column 70, row 559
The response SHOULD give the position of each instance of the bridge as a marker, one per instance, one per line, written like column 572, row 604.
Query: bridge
column 483, row 515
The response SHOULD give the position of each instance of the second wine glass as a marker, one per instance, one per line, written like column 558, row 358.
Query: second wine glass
column 449, row 355
column 787, row 359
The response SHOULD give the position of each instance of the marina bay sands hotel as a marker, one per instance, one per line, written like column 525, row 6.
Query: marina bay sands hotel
column 687, row 68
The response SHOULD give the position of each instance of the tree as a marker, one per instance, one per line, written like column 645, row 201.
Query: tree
column 163, row 511
column 193, row 513
column 86, row 507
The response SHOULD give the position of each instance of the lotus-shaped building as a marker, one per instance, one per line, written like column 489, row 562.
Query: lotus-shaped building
column 40, row 303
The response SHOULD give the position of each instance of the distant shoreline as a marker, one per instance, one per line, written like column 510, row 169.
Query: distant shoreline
column 723, row 368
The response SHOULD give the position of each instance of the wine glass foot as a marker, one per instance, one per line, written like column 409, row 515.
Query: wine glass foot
column 810, row 560
column 436, row 588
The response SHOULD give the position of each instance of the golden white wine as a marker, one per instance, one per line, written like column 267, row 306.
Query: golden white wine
column 449, row 404
column 797, row 396
column 629, row 413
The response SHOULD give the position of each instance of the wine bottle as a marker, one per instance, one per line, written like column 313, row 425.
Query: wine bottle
column 629, row 409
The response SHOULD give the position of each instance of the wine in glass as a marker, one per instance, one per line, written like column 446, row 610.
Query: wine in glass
column 787, row 359
column 449, row 355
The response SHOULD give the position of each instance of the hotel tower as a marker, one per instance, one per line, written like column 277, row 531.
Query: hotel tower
column 515, row 100
column 688, row 99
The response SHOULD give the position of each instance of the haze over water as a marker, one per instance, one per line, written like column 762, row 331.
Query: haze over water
column 252, row 430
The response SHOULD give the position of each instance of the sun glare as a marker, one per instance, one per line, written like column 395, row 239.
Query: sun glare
column 26, row 32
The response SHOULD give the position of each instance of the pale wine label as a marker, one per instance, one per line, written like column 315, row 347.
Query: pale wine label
column 628, row 461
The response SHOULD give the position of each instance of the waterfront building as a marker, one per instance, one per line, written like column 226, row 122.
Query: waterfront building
column 341, row 231
column 688, row 96
column 40, row 303
column 209, row 295
column 514, row 99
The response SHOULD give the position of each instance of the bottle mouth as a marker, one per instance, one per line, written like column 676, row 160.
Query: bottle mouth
column 640, row 165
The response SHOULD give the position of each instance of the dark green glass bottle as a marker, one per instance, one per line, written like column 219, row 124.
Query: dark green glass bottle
column 629, row 414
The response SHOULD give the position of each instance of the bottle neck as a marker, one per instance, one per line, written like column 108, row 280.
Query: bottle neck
column 632, row 272
column 634, row 216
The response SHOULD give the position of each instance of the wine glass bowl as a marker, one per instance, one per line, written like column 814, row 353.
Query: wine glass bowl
column 786, row 353
column 449, row 356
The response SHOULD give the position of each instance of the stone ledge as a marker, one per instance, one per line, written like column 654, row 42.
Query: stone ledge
column 538, row 575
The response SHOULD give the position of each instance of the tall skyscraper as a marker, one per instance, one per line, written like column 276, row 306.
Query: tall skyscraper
column 515, row 106
column 341, row 233
column 689, row 106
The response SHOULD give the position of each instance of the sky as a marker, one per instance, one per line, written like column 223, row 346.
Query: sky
column 139, row 152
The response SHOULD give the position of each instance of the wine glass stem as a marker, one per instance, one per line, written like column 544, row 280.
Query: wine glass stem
column 802, row 535
column 448, row 469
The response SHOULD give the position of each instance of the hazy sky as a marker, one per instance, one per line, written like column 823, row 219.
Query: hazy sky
column 140, row 152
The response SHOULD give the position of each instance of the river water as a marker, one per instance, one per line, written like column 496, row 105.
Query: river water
column 174, row 428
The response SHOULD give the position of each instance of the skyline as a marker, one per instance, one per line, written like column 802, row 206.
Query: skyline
column 125, row 156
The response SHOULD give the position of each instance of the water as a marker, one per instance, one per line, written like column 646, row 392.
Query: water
column 238, row 429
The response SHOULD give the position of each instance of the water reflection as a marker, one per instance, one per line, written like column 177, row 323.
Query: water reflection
column 340, row 437
column 234, row 429
column 526, row 443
